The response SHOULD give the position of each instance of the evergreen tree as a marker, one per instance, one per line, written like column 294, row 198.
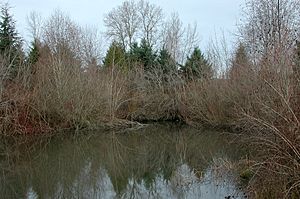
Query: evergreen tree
column 34, row 52
column 134, row 53
column 166, row 62
column 197, row 66
column 240, row 62
column 143, row 54
column 115, row 56
column 10, row 42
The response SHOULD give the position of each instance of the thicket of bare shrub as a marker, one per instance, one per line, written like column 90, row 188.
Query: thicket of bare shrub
column 157, row 96
column 262, row 102
column 274, row 129
column 17, row 111
column 259, row 94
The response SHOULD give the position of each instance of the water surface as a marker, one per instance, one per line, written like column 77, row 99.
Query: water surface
column 160, row 161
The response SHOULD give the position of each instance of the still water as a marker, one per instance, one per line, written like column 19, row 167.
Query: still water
column 159, row 161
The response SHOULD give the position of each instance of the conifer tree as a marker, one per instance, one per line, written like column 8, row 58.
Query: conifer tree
column 143, row 54
column 197, row 66
column 240, row 62
column 34, row 53
column 166, row 62
column 10, row 42
column 115, row 56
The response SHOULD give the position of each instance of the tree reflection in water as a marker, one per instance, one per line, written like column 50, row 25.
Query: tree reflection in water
column 160, row 161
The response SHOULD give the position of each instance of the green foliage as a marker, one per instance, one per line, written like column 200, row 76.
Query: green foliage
column 8, row 35
column 115, row 56
column 134, row 53
column 10, row 42
column 34, row 53
column 143, row 54
column 166, row 62
column 197, row 66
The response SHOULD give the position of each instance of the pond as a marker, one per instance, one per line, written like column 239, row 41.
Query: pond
column 159, row 161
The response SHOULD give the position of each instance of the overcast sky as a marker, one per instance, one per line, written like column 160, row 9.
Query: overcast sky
column 211, row 15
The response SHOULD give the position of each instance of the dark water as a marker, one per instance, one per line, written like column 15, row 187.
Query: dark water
column 160, row 161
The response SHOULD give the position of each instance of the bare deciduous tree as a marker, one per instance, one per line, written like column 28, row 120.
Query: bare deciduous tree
column 270, row 26
column 34, row 20
column 91, row 46
column 218, row 53
column 151, row 20
column 172, row 35
column 189, row 42
column 132, row 22
column 61, row 33
column 178, row 40
column 123, row 23
column 67, row 40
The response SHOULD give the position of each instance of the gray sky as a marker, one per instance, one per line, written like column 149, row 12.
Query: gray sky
column 211, row 15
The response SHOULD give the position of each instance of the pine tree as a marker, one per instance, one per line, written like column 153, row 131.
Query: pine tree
column 134, row 53
column 10, row 42
column 239, row 63
column 115, row 56
column 143, row 54
column 166, row 62
column 197, row 66
column 34, row 52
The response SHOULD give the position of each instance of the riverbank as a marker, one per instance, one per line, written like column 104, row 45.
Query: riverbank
column 250, row 105
column 63, row 83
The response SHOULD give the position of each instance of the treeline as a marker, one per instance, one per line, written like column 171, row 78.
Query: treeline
column 153, row 70
column 143, row 56
column 66, row 83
